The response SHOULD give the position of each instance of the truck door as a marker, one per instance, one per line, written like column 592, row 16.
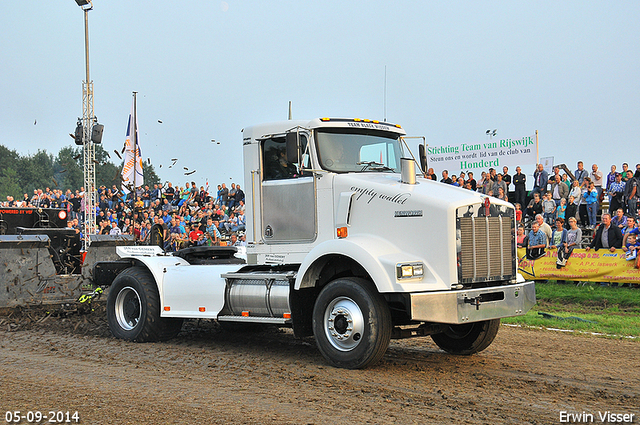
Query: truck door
column 288, row 195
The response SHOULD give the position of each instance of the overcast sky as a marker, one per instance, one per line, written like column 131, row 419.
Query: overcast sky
column 569, row 69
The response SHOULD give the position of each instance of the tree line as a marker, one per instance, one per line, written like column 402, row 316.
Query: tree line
column 20, row 174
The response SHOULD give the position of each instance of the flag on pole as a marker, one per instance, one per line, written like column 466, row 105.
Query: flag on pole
column 132, row 157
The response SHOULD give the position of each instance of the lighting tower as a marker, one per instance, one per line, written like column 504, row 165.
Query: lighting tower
column 89, row 149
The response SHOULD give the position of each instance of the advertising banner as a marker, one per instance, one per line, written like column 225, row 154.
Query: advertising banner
column 592, row 266
column 478, row 157
column 547, row 163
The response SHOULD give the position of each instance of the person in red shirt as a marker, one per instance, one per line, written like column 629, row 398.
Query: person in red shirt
column 137, row 231
column 518, row 213
column 194, row 235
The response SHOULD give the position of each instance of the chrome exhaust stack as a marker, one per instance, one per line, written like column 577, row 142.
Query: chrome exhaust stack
column 408, row 170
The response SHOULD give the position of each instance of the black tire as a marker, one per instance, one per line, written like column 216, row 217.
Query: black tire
column 133, row 308
column 469, row 338
column 351, row 323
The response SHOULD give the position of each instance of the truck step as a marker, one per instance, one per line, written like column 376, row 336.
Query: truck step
column 261, row 275
column 255, row 319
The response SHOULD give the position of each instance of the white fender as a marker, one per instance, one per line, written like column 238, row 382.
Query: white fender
column 157, row 264
column 379, row 258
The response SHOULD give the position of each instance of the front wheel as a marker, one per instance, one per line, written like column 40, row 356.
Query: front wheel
column 469, row 338
column 351, row 323
column 133, row 308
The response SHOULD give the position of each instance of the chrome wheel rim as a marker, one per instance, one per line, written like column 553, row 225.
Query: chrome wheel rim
column 128, row 308
column 343, row 324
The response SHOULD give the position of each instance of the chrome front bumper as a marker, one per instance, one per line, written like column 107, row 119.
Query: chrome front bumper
column 473, row 305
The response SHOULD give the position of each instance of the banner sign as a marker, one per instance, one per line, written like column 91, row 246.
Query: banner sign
column 547, row 163
column 481, row 156
column 592, row 266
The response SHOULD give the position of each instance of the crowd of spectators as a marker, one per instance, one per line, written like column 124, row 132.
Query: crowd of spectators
column 191, row 216
column 560, row 195
column 187, row 216
column 563, row 205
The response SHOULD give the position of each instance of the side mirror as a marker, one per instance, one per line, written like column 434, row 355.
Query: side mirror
column 292, row 142
column 422, row 152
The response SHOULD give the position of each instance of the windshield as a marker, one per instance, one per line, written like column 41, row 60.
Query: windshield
column 343, row 150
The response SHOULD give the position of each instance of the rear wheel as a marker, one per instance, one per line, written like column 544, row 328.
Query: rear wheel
column 469, row 338
column 133, row 308
column 351, row 323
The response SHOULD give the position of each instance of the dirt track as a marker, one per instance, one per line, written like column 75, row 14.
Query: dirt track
column 207, row 375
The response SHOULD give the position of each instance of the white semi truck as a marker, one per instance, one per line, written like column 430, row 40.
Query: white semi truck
column 345, row 243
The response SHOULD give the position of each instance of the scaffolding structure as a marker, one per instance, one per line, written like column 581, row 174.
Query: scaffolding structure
column 89, row 163
column 88, row 147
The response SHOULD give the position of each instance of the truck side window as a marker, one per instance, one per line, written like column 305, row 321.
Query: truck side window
column 274, row 159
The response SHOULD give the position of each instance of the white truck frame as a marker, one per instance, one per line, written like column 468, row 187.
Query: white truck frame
column 346, row 244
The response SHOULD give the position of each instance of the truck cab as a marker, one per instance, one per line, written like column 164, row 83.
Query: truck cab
column 347, row 243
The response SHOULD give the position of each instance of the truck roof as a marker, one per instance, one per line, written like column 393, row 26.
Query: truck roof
column 262, row 130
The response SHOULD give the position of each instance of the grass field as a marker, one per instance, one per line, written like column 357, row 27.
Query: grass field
column 614, row 311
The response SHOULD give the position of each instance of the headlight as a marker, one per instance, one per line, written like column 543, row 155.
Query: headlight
column 410, row 270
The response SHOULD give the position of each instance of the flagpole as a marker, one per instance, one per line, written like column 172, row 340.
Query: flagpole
column 537, row 154
column 135, row 149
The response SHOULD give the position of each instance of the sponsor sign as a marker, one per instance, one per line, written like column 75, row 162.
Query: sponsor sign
column 547, row 163
column 589, row 266
column 145, row 251
column 478, row 157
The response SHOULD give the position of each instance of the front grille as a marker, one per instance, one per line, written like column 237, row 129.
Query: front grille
column 486, row 249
